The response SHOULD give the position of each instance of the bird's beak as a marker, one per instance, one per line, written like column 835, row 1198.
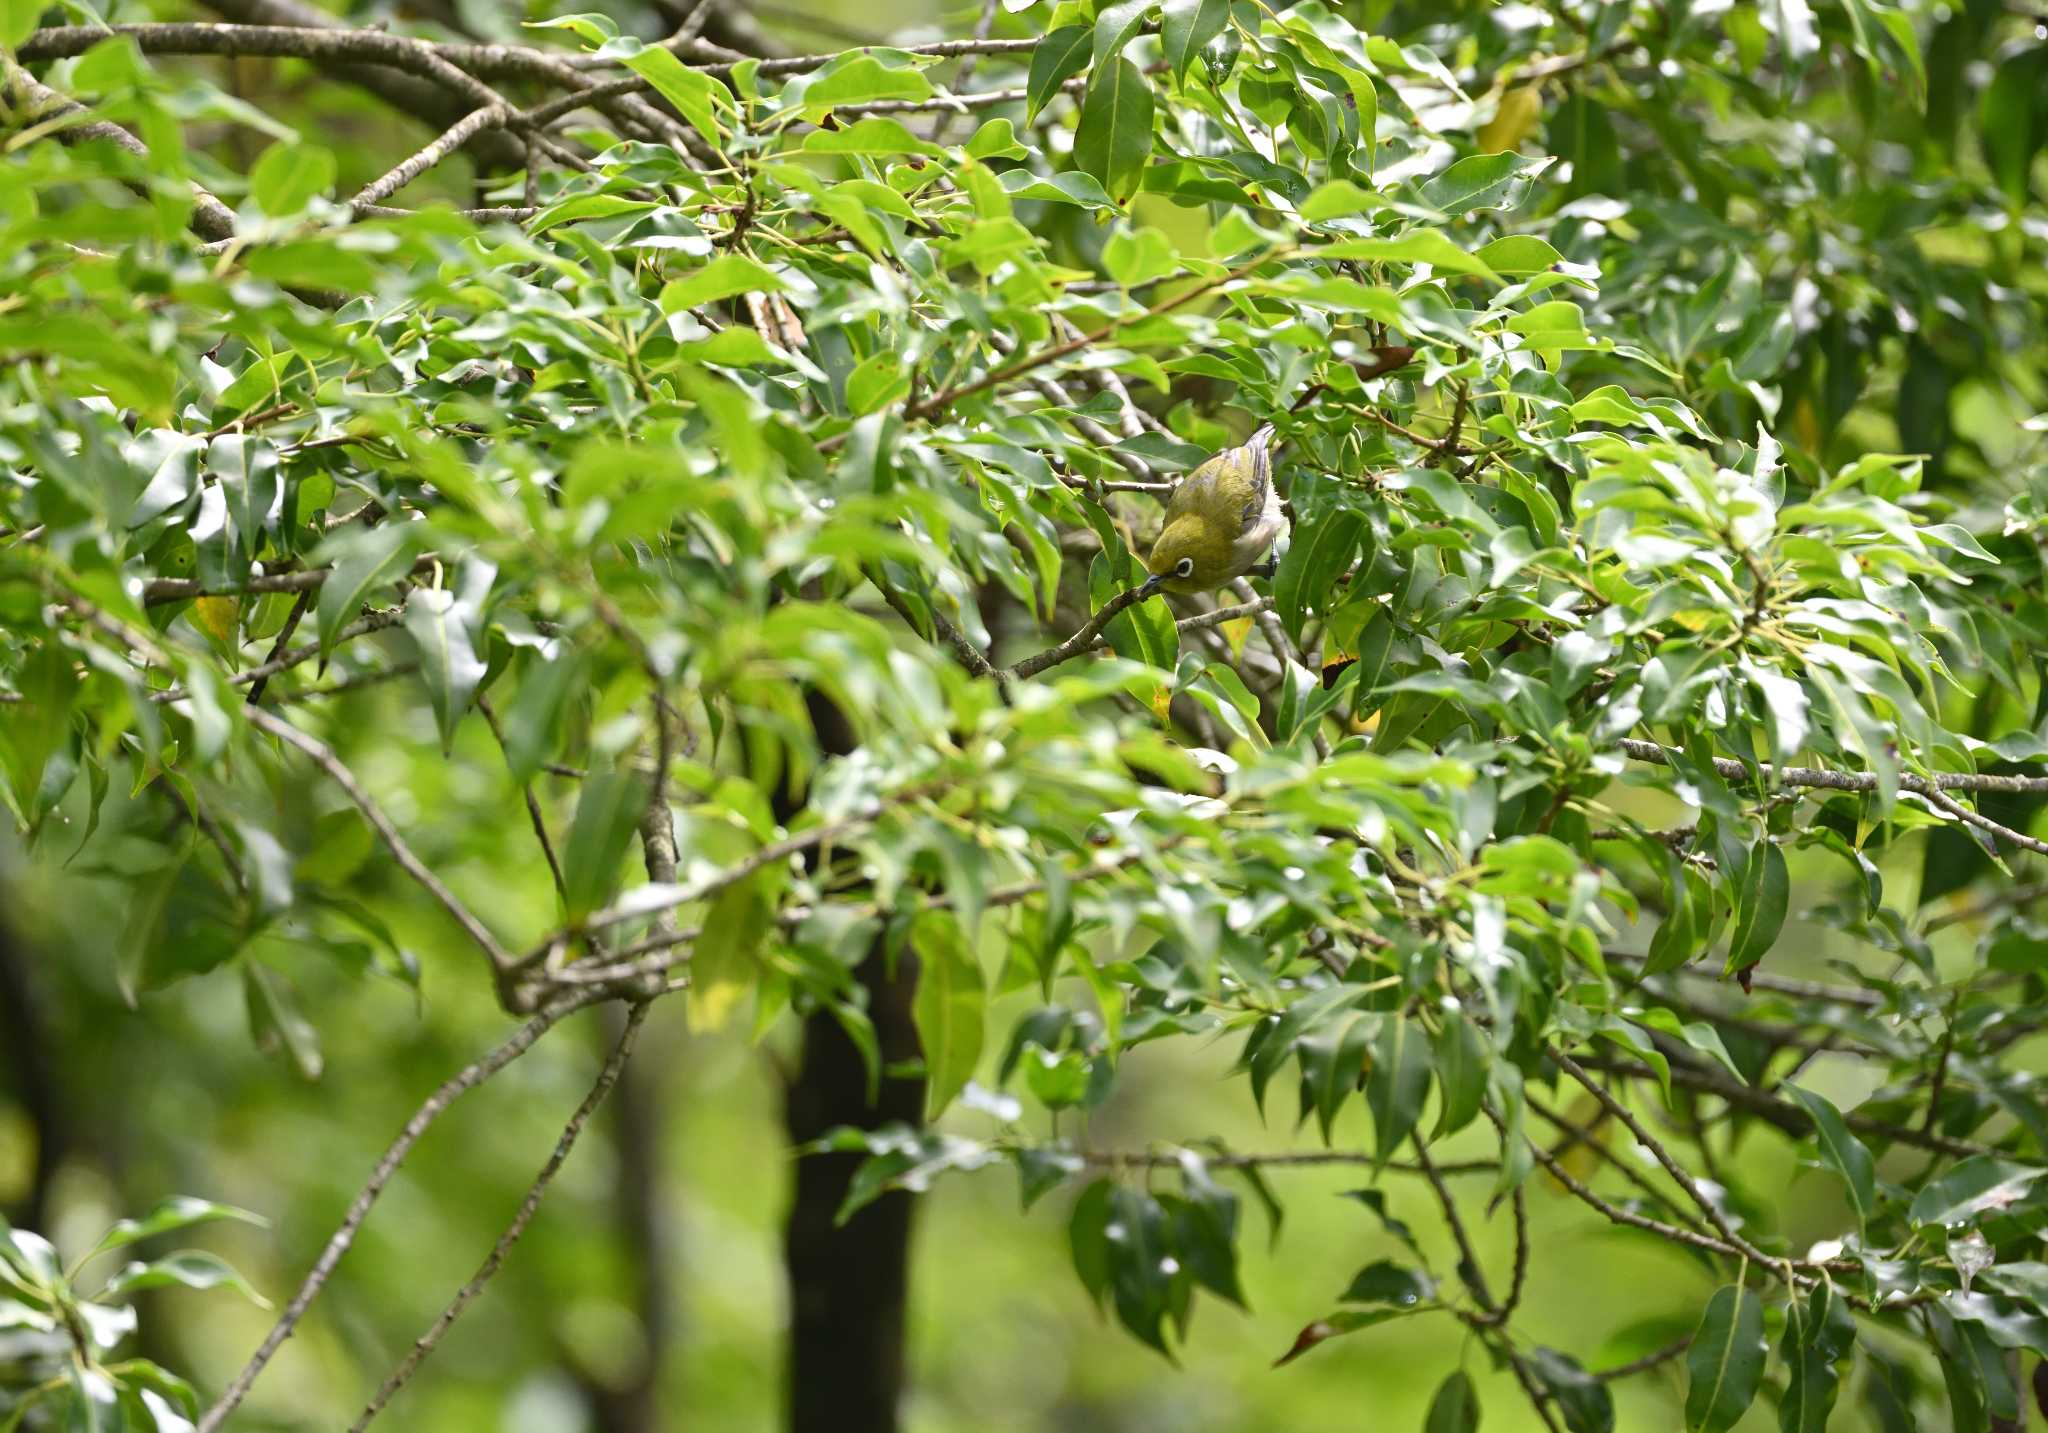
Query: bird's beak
column 1151, row 585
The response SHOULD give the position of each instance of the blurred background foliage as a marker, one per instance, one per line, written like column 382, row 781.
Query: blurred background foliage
column 1806, row 219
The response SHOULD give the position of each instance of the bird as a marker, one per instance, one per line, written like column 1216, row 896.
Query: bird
column 1219, row 521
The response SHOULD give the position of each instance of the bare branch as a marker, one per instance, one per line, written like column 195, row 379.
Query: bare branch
column 606, row 1078
column 211, row 219
column 450, row 140
column 533, row 813
column 1848, row 780
column 160, row 590
column 277, row 648
column 432, row 884
column 338, row 1243
column 1084, row 638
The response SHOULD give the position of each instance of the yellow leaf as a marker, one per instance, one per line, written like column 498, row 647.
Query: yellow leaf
column 1162, row 698
column 217, row 617
column 725, row 963
column 1520, row 110
column 1234, row 632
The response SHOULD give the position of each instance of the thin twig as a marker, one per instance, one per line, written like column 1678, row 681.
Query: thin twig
column 277, row 648
column 1647, row 1362
column 606, row 1078
column 533, row 812
column 361, row 627
column 424, row 877
column 966, row 71
column 338, row 1243
column 1663, row 1156
column 1084, row 638
column 1469, row 1267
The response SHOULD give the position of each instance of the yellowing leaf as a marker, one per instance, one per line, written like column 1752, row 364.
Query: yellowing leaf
column 217, row 616
column 1521, row 109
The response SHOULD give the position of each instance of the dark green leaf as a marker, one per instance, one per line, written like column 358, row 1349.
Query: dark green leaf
column 1725, row 1364
column 1057, row 58
column 1186, row 26
column 1114, row 138
column 1455, row 1408
column 1842, row 1151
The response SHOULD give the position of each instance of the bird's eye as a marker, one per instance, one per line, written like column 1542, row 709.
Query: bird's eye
column 1184, row 568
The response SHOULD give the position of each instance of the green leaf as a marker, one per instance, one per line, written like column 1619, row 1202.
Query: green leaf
column 363, row 560
column 276, row 1022
column 1455, row 1408
column 1417, row 246
column 1760, row 900
column 864, row 79
column 1071, row 187
column 1186, row 26
column 1583, row 1400
column 1483, row 181
column 1385, row 1282
column 440, row 627
column 1142, row 632
column 1056, row 59
column 1338, row 199
column 1114, row 25
column 872, row 134
column 590, row 27
column 1974, row 1187
column 950, row 1007
column 1463, row 1060
column 725, row 960
column 1842, row 1151
column 694, row 94
column 188, row 1268
column 18, row 20
column 37, row 728
column 607, row 813
column 1518, row 254
column 290, row 175
column 1817, row 1338
column 1397, row 1084
column 1725, row 1364
column 1114, row 138
column 724, row 277
column 1320, row 552
column 180, row 1211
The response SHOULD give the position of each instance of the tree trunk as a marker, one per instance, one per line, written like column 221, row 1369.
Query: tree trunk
column 848, row 1284
column 32, row 1074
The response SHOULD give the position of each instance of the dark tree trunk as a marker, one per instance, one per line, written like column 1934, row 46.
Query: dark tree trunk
column 31, row 1072
column 848, row 1284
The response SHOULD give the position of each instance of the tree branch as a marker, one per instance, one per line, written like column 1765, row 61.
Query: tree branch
column 466, row 1295
column 338, row 1244
column 1084, row 638
column 1650, row 751
column 432, row 884
column 211, row 219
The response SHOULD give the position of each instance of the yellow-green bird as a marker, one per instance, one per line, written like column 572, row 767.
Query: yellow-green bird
column 1219, row 521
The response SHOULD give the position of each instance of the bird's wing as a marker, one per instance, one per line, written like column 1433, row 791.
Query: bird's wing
column 1256, row 447
column 1227, row 478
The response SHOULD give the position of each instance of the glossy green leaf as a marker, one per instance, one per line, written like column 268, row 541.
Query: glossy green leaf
column 1725, row 1365
column 1114, row 138
column 950, row 1009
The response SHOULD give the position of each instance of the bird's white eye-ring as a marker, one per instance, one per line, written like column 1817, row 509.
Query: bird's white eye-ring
column 1184, row 568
